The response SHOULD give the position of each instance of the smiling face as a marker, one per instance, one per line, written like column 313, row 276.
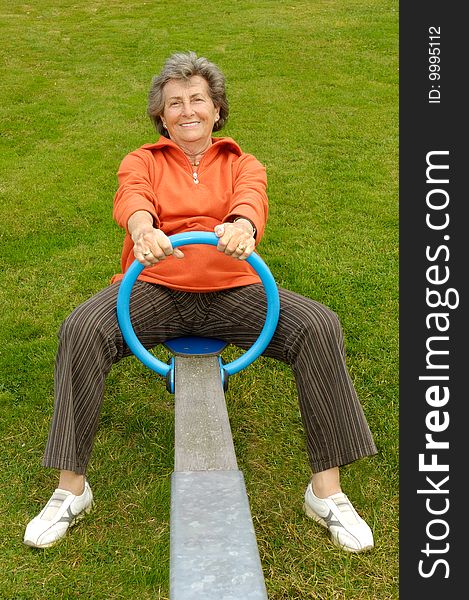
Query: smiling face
column 189, row 113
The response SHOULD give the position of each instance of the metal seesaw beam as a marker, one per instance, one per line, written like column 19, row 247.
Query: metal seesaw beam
column 214, row 553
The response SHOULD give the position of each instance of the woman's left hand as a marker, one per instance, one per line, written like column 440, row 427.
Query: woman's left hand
column 236, row 239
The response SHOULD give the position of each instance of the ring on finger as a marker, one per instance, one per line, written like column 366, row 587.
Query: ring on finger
column 242, row 247
column 146, row 253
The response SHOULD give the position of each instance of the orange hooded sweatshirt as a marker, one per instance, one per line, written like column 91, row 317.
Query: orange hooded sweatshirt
column 159, row 179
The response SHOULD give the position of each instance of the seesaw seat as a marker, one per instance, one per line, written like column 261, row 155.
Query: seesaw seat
column 194, row 345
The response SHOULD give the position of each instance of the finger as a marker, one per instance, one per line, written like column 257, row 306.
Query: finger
column 161, row 248
column 148, row 258
column 145, row 262
column 150, row 255
column 153, row 256
column 142, row 255
column 239, row 248
column 224, row 242
column 247, row 252
column 219, row 230
column 156, row 255
column 244, row 248
column 237, row 244
column 225, row 235
column 166, row 248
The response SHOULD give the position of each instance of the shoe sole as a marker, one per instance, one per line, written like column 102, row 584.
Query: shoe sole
column 312, row 515
column 73, row 522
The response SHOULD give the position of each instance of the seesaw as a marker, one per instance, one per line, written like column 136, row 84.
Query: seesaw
column 213, row 547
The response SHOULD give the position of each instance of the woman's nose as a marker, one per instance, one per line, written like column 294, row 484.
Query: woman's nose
column 187, row 108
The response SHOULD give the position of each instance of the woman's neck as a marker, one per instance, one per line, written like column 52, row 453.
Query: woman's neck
column 195, row 152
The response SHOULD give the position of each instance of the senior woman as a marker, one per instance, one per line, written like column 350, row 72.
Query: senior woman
column 189, row 180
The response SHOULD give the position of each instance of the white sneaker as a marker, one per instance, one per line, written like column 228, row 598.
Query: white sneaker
column 348, row 530
column 62, row 511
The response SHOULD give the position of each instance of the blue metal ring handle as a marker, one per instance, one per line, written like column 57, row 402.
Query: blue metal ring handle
column 183, row 239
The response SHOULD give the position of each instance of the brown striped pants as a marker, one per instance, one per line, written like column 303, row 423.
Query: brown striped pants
column 308, row 338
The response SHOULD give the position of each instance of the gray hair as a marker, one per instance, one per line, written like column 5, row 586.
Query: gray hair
column 183, row 66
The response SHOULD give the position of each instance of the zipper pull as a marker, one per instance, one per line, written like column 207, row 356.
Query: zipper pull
column 194, row 175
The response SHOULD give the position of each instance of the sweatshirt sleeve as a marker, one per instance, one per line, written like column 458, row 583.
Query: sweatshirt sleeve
column 135, row 191
column 250, row 193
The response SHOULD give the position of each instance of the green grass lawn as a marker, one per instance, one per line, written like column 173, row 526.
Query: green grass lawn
column 313, row 90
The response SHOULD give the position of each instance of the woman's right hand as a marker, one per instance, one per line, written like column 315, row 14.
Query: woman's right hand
column 150, row 245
